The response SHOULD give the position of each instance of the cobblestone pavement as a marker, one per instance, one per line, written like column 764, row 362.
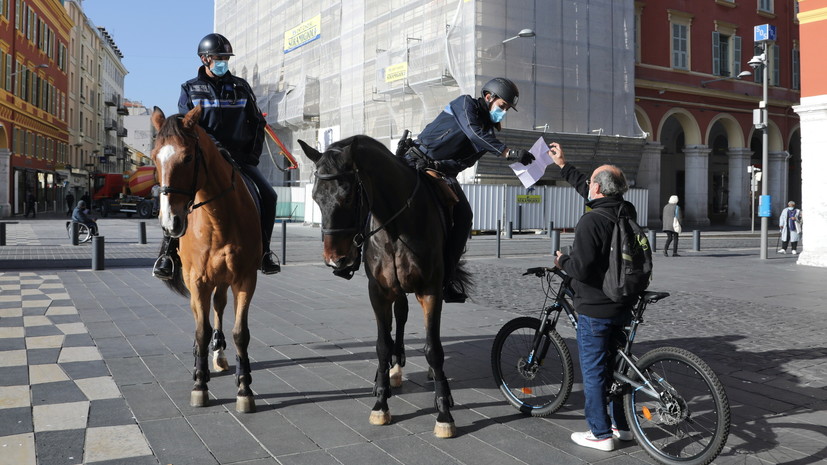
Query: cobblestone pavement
column 95, row 366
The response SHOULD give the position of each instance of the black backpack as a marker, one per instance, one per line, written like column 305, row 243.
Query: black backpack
column 630, row 258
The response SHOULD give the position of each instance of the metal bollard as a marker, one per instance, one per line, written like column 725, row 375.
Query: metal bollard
column 74, row 232
column 555, row 243
column 2, row 234
column 142, row 232
column 652, row 241
column 696, row 240
column 97, row 253
column 284, row 242
column 510, row 231
column 499, row 229
column 550, row 227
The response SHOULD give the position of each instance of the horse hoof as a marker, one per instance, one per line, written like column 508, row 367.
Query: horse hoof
column 219, row 363
column 445, row 430
column 198, row 398
column 396, row 376
column 245, row 404
column 380, row 418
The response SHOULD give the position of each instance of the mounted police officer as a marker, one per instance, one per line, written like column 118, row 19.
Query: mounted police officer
column 454, row 141
column 231, row 117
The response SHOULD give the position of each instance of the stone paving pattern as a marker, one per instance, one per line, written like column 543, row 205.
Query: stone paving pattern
column 95, row 366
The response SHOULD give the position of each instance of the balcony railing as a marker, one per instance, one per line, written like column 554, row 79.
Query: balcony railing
column 108, row 150
column 122, row 132
column 110, row 100
column 122, row 110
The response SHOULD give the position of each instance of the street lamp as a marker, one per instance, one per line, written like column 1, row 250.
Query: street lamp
column 739, row 76
column 526, row 33
column 42, row 65
column 763, row 34
column 523, row 33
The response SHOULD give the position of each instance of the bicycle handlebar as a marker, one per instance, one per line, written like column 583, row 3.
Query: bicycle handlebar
column 541, row 271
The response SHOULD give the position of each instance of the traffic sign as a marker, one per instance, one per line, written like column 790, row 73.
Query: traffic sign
column 764, row 32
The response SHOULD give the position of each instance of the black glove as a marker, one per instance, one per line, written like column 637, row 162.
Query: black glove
column 523, row 156
column 423, row 163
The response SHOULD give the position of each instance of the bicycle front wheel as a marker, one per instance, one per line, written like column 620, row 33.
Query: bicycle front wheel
column 538, row 384
column 689, row 423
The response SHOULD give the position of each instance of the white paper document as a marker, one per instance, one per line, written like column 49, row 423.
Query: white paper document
column 532, row 173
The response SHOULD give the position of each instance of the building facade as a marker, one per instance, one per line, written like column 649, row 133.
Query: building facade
column 813, row 112
column 34, row 137
column 95, row 104
column 326, row 70
column 698, row 114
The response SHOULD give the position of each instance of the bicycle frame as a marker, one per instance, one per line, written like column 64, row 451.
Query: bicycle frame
column 625, row 358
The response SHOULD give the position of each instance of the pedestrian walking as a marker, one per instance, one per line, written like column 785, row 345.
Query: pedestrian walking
column 70, row 203
column 789, row 222
column 672, row 225
column 30, row 201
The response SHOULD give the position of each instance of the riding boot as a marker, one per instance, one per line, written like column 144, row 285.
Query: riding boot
column 270, row 263
column 164, row 265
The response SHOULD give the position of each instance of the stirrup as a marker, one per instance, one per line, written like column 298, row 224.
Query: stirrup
column 156, row 268
column 277, row 268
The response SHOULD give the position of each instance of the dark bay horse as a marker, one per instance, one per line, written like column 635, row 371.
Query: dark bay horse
column 403, row 240
column 205, row 203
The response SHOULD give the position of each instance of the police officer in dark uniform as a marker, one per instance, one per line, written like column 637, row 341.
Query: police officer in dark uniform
column 454, row 141
column 231, row 117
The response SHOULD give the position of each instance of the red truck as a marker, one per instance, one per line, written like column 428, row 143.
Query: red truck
column 130, row 193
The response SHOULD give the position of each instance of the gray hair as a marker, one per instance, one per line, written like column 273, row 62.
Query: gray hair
column 612, row 181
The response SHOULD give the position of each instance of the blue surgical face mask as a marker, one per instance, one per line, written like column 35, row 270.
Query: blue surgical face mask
column 219, row 67
column 497, row 114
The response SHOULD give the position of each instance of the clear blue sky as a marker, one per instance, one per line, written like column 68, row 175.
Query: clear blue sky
column 158, row 39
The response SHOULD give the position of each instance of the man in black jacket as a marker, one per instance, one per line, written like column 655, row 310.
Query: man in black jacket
column 459, row 136
column 600, row 320
column 231, row 117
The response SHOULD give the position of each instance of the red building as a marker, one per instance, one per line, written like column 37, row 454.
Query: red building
column 33, row 86
column 699, row 114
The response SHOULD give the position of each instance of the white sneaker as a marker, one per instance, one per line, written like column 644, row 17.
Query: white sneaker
column 622, row 434
column 795, row 252
column 587, row 439
column 782, row 251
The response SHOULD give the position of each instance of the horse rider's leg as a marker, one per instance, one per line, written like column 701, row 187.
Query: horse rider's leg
column 218, row 343
column 380, row 414
column 200, row 304
column 268, row 216
column 432, row 308
column 400, row 313
column 241, row 336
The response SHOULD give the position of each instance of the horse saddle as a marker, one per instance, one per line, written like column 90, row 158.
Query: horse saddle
column 251, row 186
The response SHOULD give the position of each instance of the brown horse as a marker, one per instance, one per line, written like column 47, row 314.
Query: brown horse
column 373, row 200
column 206, row 204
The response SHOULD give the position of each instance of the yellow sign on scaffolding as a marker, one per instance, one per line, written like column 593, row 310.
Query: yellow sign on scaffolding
column 302, row 34
column 529, row 199
column 396, row 72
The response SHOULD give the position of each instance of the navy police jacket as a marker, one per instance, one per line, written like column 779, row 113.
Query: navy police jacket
column 460, row 135
column 229, row 113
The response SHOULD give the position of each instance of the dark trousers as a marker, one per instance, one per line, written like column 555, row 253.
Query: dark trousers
column 458, row 233
column 268, row 202
column 670, row 235
column 30, row 209
column 794, row 244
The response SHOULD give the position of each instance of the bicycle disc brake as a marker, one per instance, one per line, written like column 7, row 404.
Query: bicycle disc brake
column 673, row 410
column 527, row 370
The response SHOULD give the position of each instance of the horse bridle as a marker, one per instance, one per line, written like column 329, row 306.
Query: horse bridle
column 360, row 238
column 199, row 160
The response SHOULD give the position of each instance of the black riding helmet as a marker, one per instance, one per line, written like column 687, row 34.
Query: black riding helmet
column 216, row 45
column 504, row 89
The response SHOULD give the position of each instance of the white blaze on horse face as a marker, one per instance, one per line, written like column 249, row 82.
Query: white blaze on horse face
column 165, row 214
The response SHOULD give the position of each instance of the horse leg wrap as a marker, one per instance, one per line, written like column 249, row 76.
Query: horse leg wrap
column 242, row 371
column 218, row 342
column 202, row 368
column 382, row 387
column 398, row 359
column 442, row 395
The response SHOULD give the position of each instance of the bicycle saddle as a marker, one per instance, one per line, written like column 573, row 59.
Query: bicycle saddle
column 652, row 297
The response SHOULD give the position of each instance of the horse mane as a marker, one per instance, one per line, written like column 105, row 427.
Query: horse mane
column 173, row 129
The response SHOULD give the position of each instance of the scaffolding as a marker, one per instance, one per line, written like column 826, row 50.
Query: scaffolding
column 333, row 68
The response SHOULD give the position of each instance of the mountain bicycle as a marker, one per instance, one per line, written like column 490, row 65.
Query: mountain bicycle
column 676, row 406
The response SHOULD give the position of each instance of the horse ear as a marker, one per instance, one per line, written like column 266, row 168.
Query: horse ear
column 191, row 118
column 157, row 118
column 311, row 153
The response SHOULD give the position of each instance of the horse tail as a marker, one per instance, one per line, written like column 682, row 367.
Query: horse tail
column 464, row 277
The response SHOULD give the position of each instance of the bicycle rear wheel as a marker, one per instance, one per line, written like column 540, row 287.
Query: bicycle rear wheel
column 690, row 422
column 537, row 388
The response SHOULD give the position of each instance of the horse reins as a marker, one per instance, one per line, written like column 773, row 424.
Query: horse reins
column 199, row 160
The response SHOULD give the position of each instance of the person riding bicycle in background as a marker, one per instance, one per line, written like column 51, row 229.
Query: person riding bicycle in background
column 81, row 215
column 233, row 120
column 459, row 136
column 600, row 320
